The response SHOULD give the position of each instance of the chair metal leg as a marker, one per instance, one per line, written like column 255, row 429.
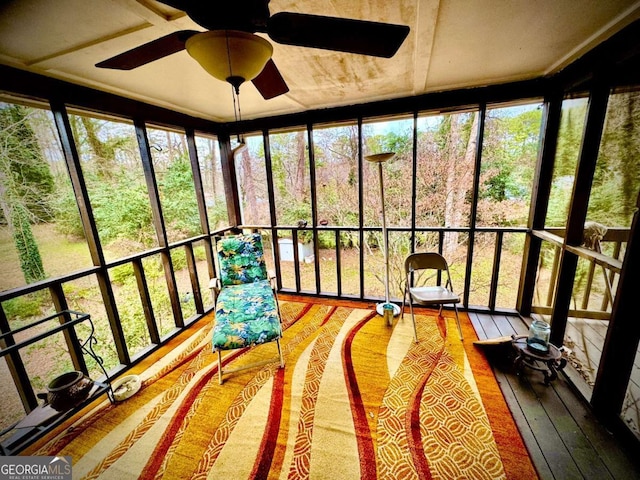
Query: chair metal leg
column 455, row 306
column 413, row 319
column 219, row 367
column 280, row 354
column 278, row 340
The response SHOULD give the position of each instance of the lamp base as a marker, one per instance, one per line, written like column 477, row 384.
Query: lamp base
column 380, row 310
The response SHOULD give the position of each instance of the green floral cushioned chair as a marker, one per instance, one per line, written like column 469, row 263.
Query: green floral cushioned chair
column 247, row 312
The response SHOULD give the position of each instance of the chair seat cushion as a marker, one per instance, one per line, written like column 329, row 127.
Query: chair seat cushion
column 433, row 295
column 246, row 315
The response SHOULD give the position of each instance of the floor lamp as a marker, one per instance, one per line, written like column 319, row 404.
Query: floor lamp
column 380, row 158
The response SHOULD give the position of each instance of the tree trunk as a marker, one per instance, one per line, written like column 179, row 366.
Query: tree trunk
column 212, row 166
column 249, row 189
column 104, row 155
column 170, row 149
column 301, row 153
column 460, row 168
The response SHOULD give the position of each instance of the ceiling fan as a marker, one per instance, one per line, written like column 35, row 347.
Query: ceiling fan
column 243, row 18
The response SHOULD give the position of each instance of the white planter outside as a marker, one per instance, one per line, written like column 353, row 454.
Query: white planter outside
column 305, row 251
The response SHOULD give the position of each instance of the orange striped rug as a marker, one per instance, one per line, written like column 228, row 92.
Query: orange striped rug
column 357, row 399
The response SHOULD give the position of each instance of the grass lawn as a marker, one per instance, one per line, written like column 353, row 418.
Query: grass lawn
column 60, row 255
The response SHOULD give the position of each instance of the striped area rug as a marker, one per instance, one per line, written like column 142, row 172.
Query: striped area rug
column 357, row 399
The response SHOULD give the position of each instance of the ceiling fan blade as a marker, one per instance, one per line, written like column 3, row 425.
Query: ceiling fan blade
column 154, row 50
column 333, row 33
column 269, row 81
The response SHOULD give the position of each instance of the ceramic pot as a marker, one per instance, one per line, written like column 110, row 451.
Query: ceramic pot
column 68, row 390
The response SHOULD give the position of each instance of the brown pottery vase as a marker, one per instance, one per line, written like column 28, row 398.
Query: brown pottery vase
column 68, row 390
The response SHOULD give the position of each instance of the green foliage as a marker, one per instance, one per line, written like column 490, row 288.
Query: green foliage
column 569, row 138
column 217, row 213
column 119, row 196
column 160, row 300
column 294, row 211
column 132, row 316
column 510, row 153
column 616, row 181
column 123, row 215
column 67, row 219
column 103, row 150
column 30, row 260
column 288, row 165
column 25, row 175
column 199, row 252
column 400, row 143
column 178, row 258
column 179, row 205
column 508, row 161
column 22, row 307
column 118, row 216
column 326, row 240
column 121, row 274
column 25, row 184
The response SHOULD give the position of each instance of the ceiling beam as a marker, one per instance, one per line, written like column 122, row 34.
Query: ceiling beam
column 38, row 87
column 423, row 37
column 82, row 46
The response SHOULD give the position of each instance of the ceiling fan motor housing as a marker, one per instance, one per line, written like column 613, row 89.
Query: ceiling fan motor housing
column 245, row 15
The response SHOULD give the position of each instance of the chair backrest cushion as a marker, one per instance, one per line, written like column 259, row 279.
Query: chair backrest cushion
column 241, row 259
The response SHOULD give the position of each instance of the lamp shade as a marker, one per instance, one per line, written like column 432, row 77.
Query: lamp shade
column 230, row 55
column 379, row 157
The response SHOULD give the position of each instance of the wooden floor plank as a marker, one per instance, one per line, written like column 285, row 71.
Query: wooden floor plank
column 520, row 419
column 503, row 324
column 618, row 461
column 523, row 413
column 475, row 321
column 556, row 455
column 582, row 452
column 489, row 327
column 564, row 439
column 518, row 325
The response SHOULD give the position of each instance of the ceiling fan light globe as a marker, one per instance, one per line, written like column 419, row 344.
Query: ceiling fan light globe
column 226, row 54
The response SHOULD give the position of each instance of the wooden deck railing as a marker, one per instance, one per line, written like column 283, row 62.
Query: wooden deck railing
column 593, row 284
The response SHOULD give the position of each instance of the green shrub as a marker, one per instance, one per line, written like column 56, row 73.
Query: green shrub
column 23, row 307
column 179, row 259
column 120, row 274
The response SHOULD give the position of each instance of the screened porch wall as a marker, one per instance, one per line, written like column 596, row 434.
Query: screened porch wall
column 474, row 237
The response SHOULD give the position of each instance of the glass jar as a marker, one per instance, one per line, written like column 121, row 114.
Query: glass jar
column 538, row 339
